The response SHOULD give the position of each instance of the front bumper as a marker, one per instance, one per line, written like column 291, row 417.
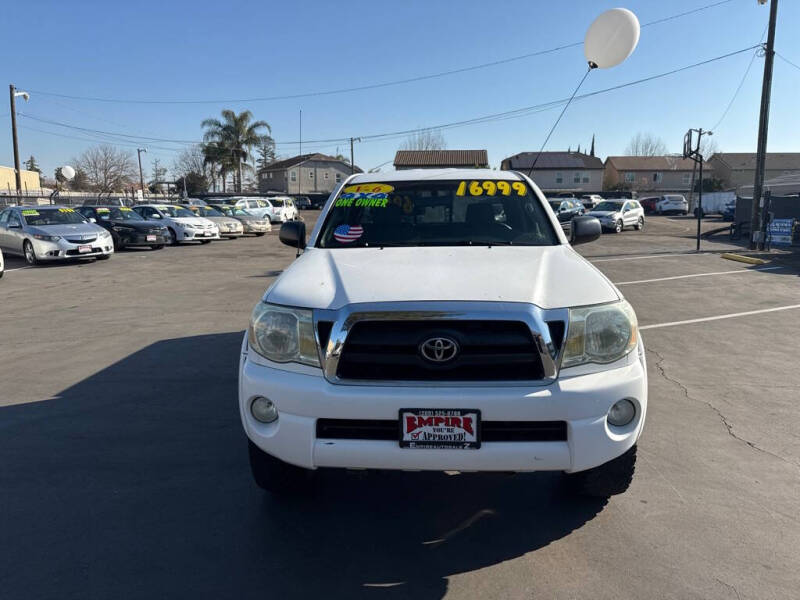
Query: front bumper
column 582, row 401
column 199, row 234
column 253, row 228
column 137, row 238
column 65, row 250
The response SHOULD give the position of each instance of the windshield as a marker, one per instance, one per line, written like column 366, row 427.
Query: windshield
column 611, row 206
column 436, row 213
column 52, row 216
column 175, row 211
column 206, row 211
column 122, row 213
column 554, row 204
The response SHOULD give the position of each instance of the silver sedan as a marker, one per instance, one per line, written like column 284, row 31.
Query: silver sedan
column 51, row 233
column 251, row 223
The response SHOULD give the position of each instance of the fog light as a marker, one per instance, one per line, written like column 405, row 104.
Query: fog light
column 621, row 413
column 264, row 409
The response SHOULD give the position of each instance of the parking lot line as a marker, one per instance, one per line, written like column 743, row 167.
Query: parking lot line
column 664, row 255
column 718, row 317
column 736, row 271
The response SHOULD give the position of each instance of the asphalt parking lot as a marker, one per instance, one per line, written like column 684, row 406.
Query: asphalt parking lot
column 123, row 467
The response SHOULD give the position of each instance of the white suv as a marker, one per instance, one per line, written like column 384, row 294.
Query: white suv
column 440, row 320
column 675, row 203
column 616, row 215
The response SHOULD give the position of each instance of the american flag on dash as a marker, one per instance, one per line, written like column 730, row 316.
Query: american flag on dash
column 348, row 233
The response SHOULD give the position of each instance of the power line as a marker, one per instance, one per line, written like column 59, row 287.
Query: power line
column 510, row 114
column 787, row 61
column 739, row 87
column 373, row 86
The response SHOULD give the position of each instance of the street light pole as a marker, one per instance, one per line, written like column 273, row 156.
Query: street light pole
column 12, row 93
column 763, row 125
column 352, row 160
column 141, row 176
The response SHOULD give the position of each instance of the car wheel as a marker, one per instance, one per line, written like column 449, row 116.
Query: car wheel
column 618, row 227
column 157, row 247
column 609, row 479
column 173, row 237
column 276, row 476
column 30, row 253
column 639, row 224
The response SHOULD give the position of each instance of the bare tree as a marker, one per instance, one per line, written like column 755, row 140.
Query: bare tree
column 708, row 147
column 107, row 169
column 646, row 144
column 190, row 160
column 425, row 140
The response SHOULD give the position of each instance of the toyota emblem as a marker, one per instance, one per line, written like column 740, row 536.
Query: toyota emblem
column 439, row 349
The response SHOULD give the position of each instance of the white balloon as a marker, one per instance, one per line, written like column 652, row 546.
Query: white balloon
column 611, row 38
column 67, row 172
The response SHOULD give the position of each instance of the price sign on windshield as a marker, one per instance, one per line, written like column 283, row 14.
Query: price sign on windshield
column 491, row 188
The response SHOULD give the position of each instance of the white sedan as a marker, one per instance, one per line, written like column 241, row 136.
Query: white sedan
column 183, row 225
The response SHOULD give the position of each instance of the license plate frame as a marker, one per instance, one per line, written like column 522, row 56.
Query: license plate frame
column 150, row 238
column 84, row 249
column 471, row 440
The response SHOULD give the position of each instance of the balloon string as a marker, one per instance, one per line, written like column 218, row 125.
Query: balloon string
column 553, row 128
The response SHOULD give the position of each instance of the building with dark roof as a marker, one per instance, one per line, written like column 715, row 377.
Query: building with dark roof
column 559, row 171
column 651, row 173
column 736, row 169
column 441, row 159
column 304, row 174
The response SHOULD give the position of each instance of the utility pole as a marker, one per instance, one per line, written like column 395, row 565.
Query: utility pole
column 12, row 92
column 141, row 176
column 352, row 161
column 756, row 238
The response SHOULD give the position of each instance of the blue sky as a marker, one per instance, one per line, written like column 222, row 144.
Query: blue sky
column 203, row 50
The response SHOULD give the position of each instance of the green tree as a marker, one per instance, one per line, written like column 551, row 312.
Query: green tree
column 266, row 152
column 236, row 134
column 195, row 183
column 219, row 161
column 31, row 165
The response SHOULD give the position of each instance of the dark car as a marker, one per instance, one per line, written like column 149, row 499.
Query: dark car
column 565, row 211
column 649, row 204
column 127, row 227
column 303, row 203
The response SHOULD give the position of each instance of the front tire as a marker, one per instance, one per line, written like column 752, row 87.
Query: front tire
column 609, row 479
column 276, row 476
column 30, row 253
column 639, row 224
column 619, row 226
column 173, row 237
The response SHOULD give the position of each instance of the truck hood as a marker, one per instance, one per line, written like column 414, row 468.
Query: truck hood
column 547, row 276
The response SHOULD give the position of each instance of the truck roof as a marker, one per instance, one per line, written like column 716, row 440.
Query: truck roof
column 434, row 175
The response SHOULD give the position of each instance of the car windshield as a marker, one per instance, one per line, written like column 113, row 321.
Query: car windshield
column 176, row 211
column 121, row 213
column 52, row 216
column 554, row 204
column 437, row 213
column 613, row 206
column 206, row 211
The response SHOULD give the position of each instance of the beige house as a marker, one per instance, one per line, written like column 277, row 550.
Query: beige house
column 651, row 173
column 559, row 171
column 441, row 159
column 305, row 174
column 8, row 182
column 736, row 169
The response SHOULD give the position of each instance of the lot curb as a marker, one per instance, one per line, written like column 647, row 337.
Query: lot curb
column 751, row 260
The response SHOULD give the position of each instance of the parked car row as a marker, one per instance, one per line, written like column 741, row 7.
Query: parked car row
column 674, row 204
column 50, row 233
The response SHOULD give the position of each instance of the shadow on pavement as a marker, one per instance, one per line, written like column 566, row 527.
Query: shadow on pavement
column 134, row 483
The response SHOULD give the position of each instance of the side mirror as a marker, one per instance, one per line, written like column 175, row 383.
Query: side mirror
column 584, row 230
column 293, row 233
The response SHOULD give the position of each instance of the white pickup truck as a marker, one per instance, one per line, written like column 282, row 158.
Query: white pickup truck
column 441, row 320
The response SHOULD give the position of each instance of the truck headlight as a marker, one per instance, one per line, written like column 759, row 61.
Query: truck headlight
column 283, row 334
column 600, row 334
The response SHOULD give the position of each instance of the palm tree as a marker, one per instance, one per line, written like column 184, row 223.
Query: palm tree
column 233, row 138
column 219, row 161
